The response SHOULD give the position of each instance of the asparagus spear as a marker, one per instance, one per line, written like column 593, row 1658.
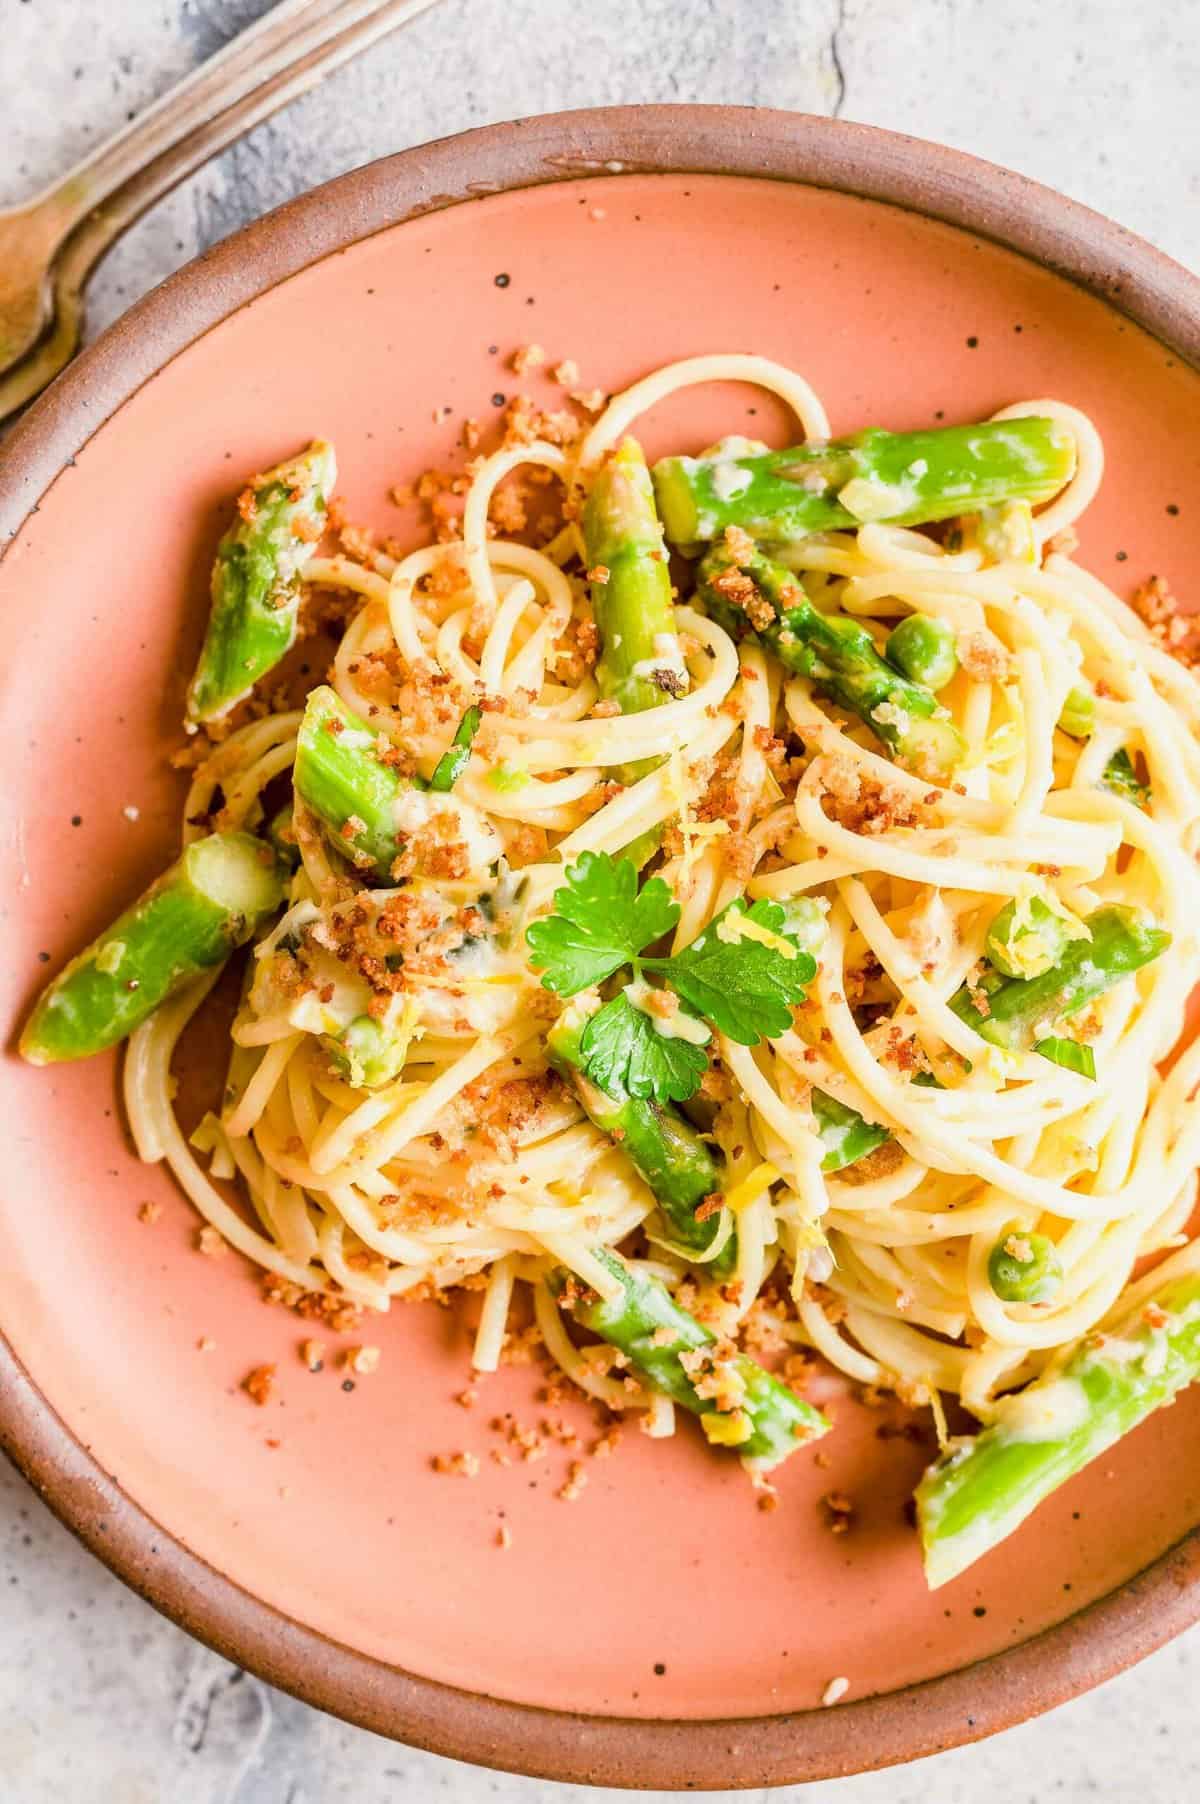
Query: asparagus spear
column 1020, row 1011
column 906, row 478
column 751, row 1411
column 451, row 765
column 631, row 603
column 210, row 901
column 256, row 579
column 753, row 593
column 338, row 774
column 984, row 1487
column 668, row 1152
column 630, row 584
column 843, row 1132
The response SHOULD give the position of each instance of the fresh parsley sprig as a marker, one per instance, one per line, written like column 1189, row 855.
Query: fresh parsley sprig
column 743, row 974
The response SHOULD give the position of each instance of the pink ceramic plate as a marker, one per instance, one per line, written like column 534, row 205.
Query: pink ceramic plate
column 659, row 1630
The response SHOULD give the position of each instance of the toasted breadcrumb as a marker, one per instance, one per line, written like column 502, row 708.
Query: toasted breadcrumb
column 210, row 1243
column 362, row 1360
column 332, row 1309
column 836, row 1690
column 982, row 656
column 862, row 802
column 456, row 1465
column 313, row 1354
column 575, row 1481
column 149, row 1213
column 504, row 1536
column 259, row 1383
column 1176, row 632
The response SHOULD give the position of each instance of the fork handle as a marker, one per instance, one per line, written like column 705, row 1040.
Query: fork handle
column 272, row 62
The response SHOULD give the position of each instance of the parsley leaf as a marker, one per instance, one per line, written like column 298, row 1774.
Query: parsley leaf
column 601, row 922
column 625, row 1052
column 744, row 987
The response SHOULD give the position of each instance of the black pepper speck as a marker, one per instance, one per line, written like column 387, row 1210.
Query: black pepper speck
column 347, row 1384
column 77, row 820
column 502, row 280
column 498, row 399
column 972, row 342
column 1172, row 507
column 659, row 1668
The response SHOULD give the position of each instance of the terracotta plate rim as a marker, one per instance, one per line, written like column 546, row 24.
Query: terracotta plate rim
column 922, row 1719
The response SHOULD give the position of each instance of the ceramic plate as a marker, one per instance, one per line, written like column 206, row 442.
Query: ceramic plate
column 659, row 1629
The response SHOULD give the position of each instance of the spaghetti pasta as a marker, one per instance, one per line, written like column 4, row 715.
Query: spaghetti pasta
column 759, row 777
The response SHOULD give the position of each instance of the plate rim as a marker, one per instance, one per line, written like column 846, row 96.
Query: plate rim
column 917, row 176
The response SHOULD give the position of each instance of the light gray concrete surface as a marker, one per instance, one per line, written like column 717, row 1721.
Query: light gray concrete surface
column 101, row 1700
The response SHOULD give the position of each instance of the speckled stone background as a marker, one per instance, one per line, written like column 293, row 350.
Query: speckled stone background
column 101, row 1700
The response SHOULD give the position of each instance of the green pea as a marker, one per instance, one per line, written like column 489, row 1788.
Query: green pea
column 1078, row 717
column 1024, row 1267
column 1027, row 938
column 924, row 649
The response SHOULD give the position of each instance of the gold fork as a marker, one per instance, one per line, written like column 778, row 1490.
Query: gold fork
column 49, row 246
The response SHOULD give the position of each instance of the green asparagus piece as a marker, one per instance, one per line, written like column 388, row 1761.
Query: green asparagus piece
column 210, row 901
column 1022, row 1010
column 668, row 1152
column 1078, row 718
column 905, row 478
column 843, row 1132
column 1027, row 937
column 367, row 1053
column 985, row 1486
column 339, row 775
column 767, row 1421
column 925, row 649
column 631, row 583
column 1122, row 779
column 1078, row 714
column 1071, row 1055
column 256, row 579
column 835, row 652
column 631, row 602
column 1024, row 1267
column 451, row 765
